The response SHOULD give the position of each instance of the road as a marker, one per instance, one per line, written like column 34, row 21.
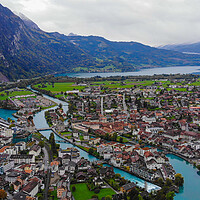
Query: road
column 9, row 196
column 46, row 159
column 102, row 105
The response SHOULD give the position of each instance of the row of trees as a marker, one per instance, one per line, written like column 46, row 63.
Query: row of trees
column 54, row 146
column 48, row 118
column 93, row 152
column 179, row 180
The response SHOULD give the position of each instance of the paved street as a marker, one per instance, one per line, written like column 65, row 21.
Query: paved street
column 46, row 159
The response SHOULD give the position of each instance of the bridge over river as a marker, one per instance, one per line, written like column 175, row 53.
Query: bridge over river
column 45, row 129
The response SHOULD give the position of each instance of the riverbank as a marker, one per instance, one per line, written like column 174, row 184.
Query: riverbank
column 168, row 151
column 104, row 162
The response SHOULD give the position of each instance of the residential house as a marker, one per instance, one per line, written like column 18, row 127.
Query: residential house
column 127, row 188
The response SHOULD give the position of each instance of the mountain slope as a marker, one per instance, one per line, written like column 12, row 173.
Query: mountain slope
column 189, row 48
column 28, row 22
column 127, row 56
column 26, row 52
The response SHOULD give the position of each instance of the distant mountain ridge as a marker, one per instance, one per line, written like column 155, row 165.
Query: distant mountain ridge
column 185, row 48
column 28, row 22
column 127, row 56
column 26, row 51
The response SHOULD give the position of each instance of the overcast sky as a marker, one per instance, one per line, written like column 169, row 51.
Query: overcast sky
column 153, row 22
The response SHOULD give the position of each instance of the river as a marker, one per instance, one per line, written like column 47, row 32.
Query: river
column 190, row 189
column 39, row 118
column 5, row 114
column 148, row 71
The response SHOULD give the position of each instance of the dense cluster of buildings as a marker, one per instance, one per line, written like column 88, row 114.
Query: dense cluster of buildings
column 166, row 116
column 147, row 116
column 19, row 169
column 144, row 162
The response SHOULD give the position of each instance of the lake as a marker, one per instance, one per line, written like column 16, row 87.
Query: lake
column 149, row 71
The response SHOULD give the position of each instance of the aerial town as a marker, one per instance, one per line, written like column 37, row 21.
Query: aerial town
column 99, row 100
column 104, row 133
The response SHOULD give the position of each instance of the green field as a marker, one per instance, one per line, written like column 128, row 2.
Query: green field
column 124, row 139
column 196, row 83
column 178, row 89
column 124, row 84
column 53, row 195
column 66, row 133
column 4, row 96
column 82, row 192
column 61, row 87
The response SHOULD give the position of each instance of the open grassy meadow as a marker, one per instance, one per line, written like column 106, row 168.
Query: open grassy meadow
column 83, row 193
column 60, row 87
column 5, row 94
column 113, row 85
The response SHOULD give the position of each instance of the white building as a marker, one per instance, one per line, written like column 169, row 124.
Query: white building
column 35, row 150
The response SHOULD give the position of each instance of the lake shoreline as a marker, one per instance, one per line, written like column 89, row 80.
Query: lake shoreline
column 145, row 71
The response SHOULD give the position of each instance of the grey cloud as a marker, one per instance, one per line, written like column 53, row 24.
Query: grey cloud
column 153, row 22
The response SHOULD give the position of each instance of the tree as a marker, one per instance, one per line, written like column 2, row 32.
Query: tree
column 122, row 181
column 53, row 144
column 170, row 195
column 9, row 120
column 125, row 196
column 12, row 125
column 168, row 182
column 198, row 167
column 115, row 136
column 108, row 197
column 41, row 143
column 97, row 190
column 107, row 137
column 91, row 151
column 73, row 188
column 117, row 175
column 133, row 194
column 179, row 180
column 160, row 181
column 95, row 196
column 140, row 141
column 3, row 194
column 140, row 197
column 11, row 188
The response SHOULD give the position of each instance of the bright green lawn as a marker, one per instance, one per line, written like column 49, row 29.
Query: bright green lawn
column 66, row 133
column 81, row 137
column 53, row 195
column 114, row 84
column 82, row 192
column 124, row 139
column 58, row 87
column 178, row 89
column 196, row 83
column 14, row 93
